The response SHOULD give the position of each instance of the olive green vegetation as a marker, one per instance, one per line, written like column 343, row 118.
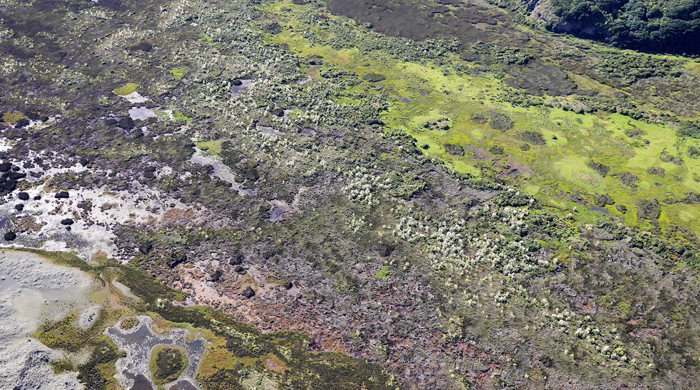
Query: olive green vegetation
column 546, row 150
column 179, row 72
column 383, row 273
column 167, row 363
column 179, row 116
column 128, row 323
column 235, row 350
column 126, row 89
column 12, row 116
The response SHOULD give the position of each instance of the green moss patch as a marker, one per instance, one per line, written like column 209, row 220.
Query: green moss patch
column 167, row 363
column 12, row 116
column 126, row 89
column 383, row 273
column 179, row 72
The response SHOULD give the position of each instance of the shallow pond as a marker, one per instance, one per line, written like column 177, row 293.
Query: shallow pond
column 133, row 371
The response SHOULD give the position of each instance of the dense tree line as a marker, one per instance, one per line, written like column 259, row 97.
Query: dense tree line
column 671, row 26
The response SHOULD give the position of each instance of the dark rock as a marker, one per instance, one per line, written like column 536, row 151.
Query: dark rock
column 691, row 198
column 10, row 185
column 19, row 207
column 62, row 195
column 315, row 59
column 501, row 122
column 532, row 137
column 215, row 276
column 272, row 27
column 656, row 171
column 602, row 200
column 111, row 122
column 629, row 179
column 24, row 122
column 374, row 77
column 385, row 249
column 240, row 270
column 248, row 292
column 16, row 175
column 67, row 222
column 288, row 285
column 175, row 260
column 6, row 166
column 126, row 123
column 38, row 197
column 145, row 248
column 648, row 209
column 10, row 236
column 23, row 196
column 497, row 150
column 600, row 168
column 236, row 259
column 143, row 46
column 237, row 82
column 278, row 112
column 479, row 118
column 546, row 361
column 454, row 149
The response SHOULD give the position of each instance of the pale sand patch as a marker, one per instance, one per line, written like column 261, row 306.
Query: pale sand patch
column 33, row 291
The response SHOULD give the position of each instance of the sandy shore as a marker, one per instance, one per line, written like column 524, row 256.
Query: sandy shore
column 33, row 291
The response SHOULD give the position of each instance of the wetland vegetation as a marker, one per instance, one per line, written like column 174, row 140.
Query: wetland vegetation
column 329, row 195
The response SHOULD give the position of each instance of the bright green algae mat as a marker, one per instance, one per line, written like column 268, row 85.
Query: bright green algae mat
column 643, row 158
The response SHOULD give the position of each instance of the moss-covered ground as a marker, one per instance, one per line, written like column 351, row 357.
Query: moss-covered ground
column 558, row 171
column 167, row 363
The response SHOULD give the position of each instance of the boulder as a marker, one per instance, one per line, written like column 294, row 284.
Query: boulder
column 215, row 276
column 385, row 249
column 126, row 123
column 24, row 122
column 16, row 175
column 175, row 260
column 648, row 209
column 248, row 292
column 237, row 259
column 145, row 248
column 454, row 149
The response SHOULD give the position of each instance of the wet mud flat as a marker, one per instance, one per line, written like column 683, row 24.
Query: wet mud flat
column 133, row 371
